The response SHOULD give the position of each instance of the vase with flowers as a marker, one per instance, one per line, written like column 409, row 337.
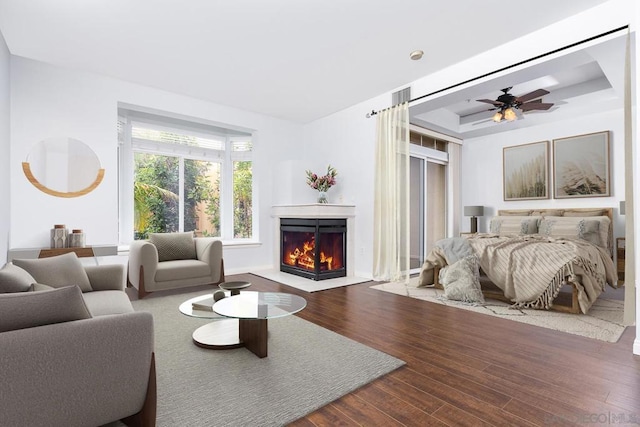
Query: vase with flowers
column 322, row 183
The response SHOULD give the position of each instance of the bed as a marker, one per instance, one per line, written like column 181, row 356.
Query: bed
column 529, row 255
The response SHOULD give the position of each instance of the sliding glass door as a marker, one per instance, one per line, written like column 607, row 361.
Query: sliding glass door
column 428, row 204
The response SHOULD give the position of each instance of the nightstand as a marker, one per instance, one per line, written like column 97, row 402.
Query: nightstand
column 620, row 246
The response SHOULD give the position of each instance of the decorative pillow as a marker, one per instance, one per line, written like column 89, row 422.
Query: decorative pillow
column 603, row 227
column 14, row 279
column 30, row 309
column 582, row 229
column 172, row 246
column 461, row 280
column 514, row 225
column 57, row 271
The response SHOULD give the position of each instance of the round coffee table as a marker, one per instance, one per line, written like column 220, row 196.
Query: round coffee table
column 234, row 287
column 244, row 322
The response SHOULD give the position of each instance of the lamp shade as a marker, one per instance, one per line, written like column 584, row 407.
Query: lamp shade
column 473, row 210
column 622, row 207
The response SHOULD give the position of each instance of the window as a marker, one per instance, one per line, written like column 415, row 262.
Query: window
column 182, row 176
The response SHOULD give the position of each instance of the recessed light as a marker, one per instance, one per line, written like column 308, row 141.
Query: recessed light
column 416, row 54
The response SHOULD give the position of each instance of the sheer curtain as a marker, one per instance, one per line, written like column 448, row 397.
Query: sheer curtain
column 629, row 266
column 391, row 200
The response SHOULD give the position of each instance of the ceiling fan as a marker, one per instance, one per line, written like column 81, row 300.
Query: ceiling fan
column 506, row 103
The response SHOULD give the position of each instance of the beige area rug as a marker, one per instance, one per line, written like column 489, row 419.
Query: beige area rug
column 602, row 322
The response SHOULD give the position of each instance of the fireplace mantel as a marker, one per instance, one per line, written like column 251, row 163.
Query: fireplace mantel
column 313, row 210
column 316, row 210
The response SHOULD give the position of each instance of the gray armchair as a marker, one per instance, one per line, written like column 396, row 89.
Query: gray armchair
column 174, row 260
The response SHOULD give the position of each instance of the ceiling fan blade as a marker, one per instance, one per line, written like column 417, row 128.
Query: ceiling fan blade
column 529, row 106
column 532, row 95
column 489, row 101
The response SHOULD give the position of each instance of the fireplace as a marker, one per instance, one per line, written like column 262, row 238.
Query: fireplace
column 313, row 248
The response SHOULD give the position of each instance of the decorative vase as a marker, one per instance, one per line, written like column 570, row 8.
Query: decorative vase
column 76, row 239
column 322, row 197
column 59, row 235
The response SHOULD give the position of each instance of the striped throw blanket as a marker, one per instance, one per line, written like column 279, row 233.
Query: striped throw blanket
column 531, row 269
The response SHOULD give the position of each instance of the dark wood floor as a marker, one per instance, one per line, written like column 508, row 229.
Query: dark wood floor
column 465, row 368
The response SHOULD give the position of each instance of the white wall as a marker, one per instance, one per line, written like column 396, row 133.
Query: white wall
column 5, row 134
column 49, row 101
column 482, row 180
column 346, row 140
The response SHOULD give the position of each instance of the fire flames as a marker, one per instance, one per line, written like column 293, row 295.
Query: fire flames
column 306, row 256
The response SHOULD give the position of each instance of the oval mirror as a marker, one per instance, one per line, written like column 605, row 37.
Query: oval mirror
column 63, row 167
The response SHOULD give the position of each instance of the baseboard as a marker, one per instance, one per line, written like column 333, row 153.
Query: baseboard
column 245, row 270
column 636, row 346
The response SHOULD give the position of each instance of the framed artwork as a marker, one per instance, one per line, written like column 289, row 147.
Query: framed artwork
column 525, row 171
column 581, row 166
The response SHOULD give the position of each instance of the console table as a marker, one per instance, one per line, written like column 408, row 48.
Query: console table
column 87, row 251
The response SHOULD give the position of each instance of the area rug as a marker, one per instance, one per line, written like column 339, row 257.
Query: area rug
column 602, row 322
column 308, row 285
column 307, row 367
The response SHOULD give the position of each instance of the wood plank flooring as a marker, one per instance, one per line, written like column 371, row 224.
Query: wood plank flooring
column 469, row 369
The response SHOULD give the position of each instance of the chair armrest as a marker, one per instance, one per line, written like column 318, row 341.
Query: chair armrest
column 85, row 372
column 209, row 250
column 142, row 253
column 106, row 277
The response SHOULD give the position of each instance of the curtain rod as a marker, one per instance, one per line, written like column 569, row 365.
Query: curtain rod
column 373, row 112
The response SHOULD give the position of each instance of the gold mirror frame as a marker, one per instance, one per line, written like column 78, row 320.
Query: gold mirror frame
column 26, row 168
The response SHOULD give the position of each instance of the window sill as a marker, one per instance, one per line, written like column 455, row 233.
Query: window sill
column 240, row 244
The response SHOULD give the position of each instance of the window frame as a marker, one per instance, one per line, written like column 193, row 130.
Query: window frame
column 128, row 145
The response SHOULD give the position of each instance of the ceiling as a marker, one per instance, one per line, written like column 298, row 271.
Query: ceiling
column 587, row 81
column 298, row 60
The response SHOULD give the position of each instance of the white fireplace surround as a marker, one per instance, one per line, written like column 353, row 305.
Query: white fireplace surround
column 317, row 211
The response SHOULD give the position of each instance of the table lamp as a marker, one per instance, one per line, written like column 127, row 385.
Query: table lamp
column 474, row 212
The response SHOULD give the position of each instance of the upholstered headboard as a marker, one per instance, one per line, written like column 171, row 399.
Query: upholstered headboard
column 608, row 212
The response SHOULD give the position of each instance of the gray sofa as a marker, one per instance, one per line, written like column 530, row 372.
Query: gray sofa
column 174, row 260
column 72, row 357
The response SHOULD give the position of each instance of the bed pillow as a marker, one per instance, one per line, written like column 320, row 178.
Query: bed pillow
column 57, row 271
column 174, row 246
column 588, row 230
column 604, row 223
column 514, row 225
column 22, row 310
column 461, row 280
column 14, row 279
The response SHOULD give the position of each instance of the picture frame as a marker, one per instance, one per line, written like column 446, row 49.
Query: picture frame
column 525, row 171
column 582, row 166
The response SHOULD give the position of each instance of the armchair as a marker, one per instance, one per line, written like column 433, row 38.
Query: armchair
column 160, row 263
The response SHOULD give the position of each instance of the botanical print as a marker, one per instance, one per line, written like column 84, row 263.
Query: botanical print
column 525, row 171
column 581, row 166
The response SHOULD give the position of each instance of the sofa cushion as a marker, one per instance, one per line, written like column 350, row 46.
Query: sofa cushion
column 40, row 287
column 22, row 310
column 14, row 279
column 57, row 271
column 182, row 269
column 172, row 246
column 107, row 302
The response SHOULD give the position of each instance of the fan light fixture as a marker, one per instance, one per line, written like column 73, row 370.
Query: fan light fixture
column 506, row 104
